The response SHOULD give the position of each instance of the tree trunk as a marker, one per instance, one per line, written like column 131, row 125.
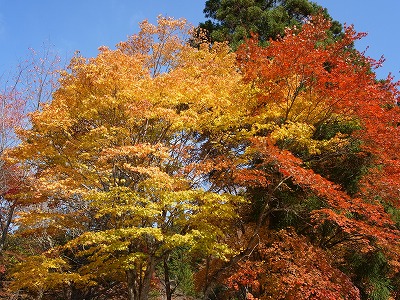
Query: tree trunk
column 145, row 290
column 6, row 226
column 40, row 295
column 167, row 279
column 139, row 286
column 131, row 280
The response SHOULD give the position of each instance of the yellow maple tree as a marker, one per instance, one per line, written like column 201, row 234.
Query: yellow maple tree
column 110, row 155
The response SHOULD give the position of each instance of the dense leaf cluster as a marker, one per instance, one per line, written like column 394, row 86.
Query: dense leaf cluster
column 159, row 168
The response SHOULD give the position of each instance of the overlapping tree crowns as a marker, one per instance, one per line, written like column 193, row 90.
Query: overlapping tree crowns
column 306, row 84
column 158, row 146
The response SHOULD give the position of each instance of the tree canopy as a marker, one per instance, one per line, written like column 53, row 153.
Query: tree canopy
column 270, row 172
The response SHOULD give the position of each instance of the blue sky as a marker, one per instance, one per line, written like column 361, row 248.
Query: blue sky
column 380, row 19
column 85, row 25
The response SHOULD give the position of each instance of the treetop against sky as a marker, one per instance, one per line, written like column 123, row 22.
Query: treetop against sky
column 85, row 26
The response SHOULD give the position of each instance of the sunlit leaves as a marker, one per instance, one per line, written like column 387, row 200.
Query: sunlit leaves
column 158, row 145
column 110, row 154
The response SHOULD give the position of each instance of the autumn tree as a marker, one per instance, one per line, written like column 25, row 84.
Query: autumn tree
column 114, row 186
column 314, row 105
column 22, row 91
column 236, row 158
column 11, row 113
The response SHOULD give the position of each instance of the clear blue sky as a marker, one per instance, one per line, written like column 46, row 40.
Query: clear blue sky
column 85, row 25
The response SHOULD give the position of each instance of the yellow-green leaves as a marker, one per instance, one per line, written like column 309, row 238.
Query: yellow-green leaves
column 299, row 138
column 43, row 272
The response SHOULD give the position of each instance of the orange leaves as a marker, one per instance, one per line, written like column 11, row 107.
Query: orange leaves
column 139, row 151
column 159, row 44
column 146, row 148
column 306, row 78
column 110, row 153
column 285, row 266
column 253, row 178
column 303, row 81
column 303, row 75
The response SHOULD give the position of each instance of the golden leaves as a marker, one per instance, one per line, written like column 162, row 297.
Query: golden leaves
column 159, row 44
column 119, row 149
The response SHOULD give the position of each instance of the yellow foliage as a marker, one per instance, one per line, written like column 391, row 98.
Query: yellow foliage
column 117, row 153
column 41, row 273
column 111, row 148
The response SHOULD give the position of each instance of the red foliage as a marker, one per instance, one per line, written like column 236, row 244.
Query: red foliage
column 339, row 81
column 285, row 266
column 342, row 80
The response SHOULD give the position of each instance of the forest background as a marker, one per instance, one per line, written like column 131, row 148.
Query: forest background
column 209, row 163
